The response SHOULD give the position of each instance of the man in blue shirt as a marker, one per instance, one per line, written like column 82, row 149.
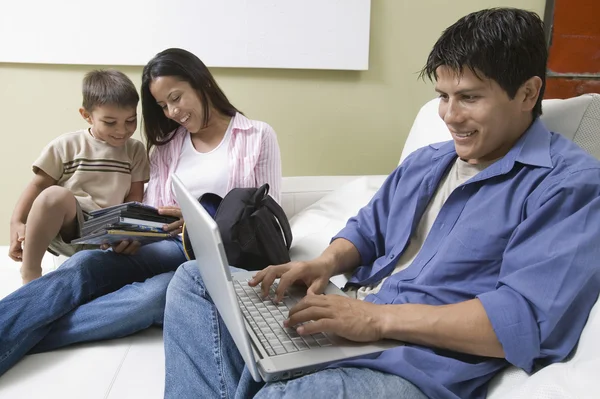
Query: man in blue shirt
column 477, row 253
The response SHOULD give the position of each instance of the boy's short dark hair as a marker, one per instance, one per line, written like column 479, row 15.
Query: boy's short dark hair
column 108, row 86
column 507, row 45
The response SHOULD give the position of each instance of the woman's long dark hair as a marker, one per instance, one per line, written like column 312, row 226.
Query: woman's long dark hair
column 185, row 66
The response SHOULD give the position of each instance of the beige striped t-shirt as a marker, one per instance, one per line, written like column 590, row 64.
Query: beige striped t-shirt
column 98, row 174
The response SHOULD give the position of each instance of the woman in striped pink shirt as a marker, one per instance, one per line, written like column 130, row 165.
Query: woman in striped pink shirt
column 193, row 131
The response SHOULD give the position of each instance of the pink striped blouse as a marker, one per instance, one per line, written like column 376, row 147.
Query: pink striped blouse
column 254, row 159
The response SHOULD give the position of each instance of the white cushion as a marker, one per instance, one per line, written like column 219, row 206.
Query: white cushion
column 126, row 368
column 131, row 367
column 427, row 128
column 298, row 192
column 314, row 226
column 10, row 275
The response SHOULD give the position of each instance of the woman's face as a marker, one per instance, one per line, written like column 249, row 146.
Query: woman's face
column 179, row 101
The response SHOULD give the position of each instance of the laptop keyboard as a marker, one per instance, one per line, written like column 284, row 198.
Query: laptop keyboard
column 266, row 320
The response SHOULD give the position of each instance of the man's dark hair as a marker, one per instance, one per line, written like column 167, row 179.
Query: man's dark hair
column 506, row 45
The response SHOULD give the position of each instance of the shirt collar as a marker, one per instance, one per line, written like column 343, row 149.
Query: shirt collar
column 532, row 148
column 240, row 122
column 535, row 146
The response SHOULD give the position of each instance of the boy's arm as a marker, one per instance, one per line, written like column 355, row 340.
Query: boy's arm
column 41, row 181
column 140, row 173
column 136, row 192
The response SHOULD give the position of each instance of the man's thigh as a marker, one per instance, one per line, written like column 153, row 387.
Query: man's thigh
column 344, row 382
column 192, row 269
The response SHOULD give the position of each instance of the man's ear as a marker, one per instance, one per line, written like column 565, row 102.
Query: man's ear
column 85, row 115
column 530, row 92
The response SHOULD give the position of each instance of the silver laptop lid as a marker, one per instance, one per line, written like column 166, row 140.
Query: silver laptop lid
column 214, row 269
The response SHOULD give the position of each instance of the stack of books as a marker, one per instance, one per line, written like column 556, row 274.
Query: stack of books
column 131, row 221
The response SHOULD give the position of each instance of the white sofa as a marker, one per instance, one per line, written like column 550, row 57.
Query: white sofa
column 133, row 367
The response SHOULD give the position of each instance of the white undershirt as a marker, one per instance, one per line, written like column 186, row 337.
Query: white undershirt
column 205, row 172
column 458, row 174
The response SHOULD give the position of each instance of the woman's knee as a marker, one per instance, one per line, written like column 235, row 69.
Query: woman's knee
column 155, row 288
column 152, row 296
column 85, row 259
column 93, row 266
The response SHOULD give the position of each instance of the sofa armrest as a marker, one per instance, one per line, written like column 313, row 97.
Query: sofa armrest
column 301, row 191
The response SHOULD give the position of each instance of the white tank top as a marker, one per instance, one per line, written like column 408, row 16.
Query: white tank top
column 205, row 172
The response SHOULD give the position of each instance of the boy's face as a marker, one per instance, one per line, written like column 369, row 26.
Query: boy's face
column 112, row 124
column 485, row 123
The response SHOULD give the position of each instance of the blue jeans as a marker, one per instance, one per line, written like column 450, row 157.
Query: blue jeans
column 94, row 295
column 202, row 360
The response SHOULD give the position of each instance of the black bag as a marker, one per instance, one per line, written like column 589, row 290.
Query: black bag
column 254, row 229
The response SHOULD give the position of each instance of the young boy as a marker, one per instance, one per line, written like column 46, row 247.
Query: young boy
column 80, row 172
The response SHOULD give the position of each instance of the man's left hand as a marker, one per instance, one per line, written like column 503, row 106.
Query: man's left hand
column 349, row 318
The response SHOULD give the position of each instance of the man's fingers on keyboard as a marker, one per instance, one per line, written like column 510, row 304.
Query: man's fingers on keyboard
column 260, row 276
column 284, row 283
column 318, row 326
column 266, row 284
column 257, row 278
column 317, row 287
column 298, row 307
column 312, row 314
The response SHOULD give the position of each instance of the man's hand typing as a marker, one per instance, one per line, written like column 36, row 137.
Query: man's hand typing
column 349, row 318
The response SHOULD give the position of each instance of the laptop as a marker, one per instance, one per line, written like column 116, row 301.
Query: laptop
column 271, row 351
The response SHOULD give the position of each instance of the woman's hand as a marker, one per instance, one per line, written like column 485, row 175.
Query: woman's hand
column 131, row 247
column 174, row 228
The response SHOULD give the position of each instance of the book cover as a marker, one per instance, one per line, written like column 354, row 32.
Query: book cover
column 127, row 206
column 115, row 236
column 121, row 223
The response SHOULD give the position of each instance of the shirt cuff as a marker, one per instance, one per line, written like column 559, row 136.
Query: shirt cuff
column 515, row 326
column 49, row 171
column 362, row 244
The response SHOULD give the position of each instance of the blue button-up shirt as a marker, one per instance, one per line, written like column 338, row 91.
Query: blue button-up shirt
column 523, row 236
